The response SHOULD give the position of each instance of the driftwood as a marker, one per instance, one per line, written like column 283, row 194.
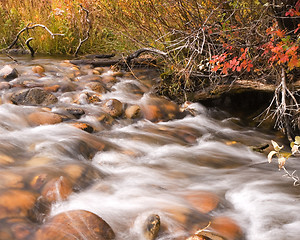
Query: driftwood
column 132, row 59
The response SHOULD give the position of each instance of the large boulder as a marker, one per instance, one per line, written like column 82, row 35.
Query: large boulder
column 75, row 224
column 33, row 96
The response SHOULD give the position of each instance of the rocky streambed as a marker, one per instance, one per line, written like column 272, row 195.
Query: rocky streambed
column 91, row 153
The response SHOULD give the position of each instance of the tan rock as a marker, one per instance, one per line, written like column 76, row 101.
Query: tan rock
column 117, row 74
column 39, row 70
column 6, row 160
column 57, row 189
column 83, row 126
column 133, row 111
column 43, row 118
column 96, row 87
column 109, row 79
column 10, row 180
column 113, row 107
column 74, row 225
column 16, row 203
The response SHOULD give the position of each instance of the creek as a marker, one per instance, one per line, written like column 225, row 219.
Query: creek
column 189, row 170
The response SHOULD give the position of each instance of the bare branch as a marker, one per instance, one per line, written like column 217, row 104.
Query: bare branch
column 28, row 27
column 88, row 31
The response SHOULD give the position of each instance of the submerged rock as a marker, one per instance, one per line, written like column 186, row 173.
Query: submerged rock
column 33, row 96
column 75, row 224
column 16, row 203
column 16, row 228
column 152, row 226
column 203, row 201
column 133, row 111
column 43, row 118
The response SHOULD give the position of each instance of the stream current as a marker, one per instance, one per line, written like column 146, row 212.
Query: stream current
column 148, row 167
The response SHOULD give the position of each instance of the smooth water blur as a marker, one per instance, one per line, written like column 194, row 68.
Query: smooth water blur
column 150, row 167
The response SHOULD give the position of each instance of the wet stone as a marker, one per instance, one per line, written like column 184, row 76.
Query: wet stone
column 53, row 88
column 16, row 228
column 83, row 126
column 34, row 96
column 10, row 180
column 57, row 189
column 76, row 112
column 133, row 111
column 96, row 87
column 74, row 225
column 44, row 118
column 113, row 107
column 203, row 201
column 226, row 227
column 160, row 109
column 16, row 203
column 39, row 70
column 8, row 73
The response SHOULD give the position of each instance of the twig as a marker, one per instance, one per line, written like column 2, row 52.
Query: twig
column 28, row 45
column 88, row 31
column 28, row 27
column 292, row 176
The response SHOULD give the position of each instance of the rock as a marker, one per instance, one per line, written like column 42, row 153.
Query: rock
column 6, row 160
column 4, row 85
column 117, row 74
column 39, row 70
column 205, row 235
column 44, row 118
column 109, row 79
column 76, row 112
column 133, row 111
column 33, row 96
column 160, row 109
column 96, row 87
column 113, row 107
column 83, row 126
column 203, row 201
column 8, row 73
column 151, row 227
column 57, row 189
column 75, row 224
column 53, row 88
column 16, row 229
column 10, row 180
column 226, row 227
column 16, row 203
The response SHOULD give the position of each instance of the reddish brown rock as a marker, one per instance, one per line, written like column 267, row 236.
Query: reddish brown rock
column 113, row 107
column 16, row 203
column 57, row 189
column 16, row 229
column 226, row 227
column 53, row 88
column 76, row 224
column 160, row 109
column 44, row 118
column 203, row 201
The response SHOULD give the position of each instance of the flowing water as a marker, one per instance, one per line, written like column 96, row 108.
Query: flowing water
column 146, row 167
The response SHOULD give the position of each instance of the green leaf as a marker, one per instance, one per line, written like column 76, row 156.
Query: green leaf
column 276, row 146
column 297, row 140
